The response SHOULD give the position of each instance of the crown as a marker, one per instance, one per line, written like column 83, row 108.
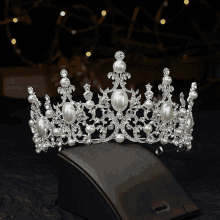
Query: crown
column 170, row 123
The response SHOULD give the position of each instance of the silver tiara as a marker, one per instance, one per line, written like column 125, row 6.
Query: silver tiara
column 169, row 122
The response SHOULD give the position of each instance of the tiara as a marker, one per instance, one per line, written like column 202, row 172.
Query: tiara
column 169, row 123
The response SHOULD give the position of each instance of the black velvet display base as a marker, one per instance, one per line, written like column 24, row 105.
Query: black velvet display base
column 119, row 182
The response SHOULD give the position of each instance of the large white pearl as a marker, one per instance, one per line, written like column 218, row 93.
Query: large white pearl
column 119, row 100
column 119, row 66
column 147, row 128
column 31, row 98
column 64, row 82
column 183, row 112
column 57, row 132
column 40, row 126
column 119, row 138
column 69, row 113
column 49, row 113
column 89, row 104
column 167, row 80
column 189, row 123
column 148, row 104
column 90, row 129
column 166, row 112
column 71, row 142
column 193, row 95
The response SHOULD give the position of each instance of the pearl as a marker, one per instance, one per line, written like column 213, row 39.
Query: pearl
column 166, row 112
column 71, row 142
column 90, row 129
column 182, row 111
column 188, row 147
column 179, row 132
column 37, row 151
column 64, row 82
column 69, row 113
column 56, row 132
column 49, row 113
column 167, row 80
column 148, row 104
column 119, row 138
column 31, row 122
column 164, row 141
column 36, row 140
column 31, row 98
column 89, row 104
column 193, row 95
column 40, row 126
column 119, row 100
column 119, row 66
column 175, row 114
column 189, row 124
column 59, row 144
column 147, row 128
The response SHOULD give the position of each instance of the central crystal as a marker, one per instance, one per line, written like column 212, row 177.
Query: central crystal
column 119, row 100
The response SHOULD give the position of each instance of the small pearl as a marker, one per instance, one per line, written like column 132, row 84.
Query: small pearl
column 36, row 140
column 71, row 142
column 37, row 151
column 164, row 141
column 188, row 147
column 119, row 138
column 59, row 144
column 31, row 99
column 57, row 132
column 119, row 66
column 194, row 95
column 148, row 104
column 147, row 128
column 179, row 132
column 183, row 111
column 90, row 129
column 89, row 104
column 167, row 80
column 64, row 82
column 175, row 114
column 49, row 113
column 31, row 122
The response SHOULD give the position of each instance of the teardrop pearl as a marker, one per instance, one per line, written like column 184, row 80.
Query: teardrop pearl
column 166, row 112
column 189, row 124
column 40, row 126
column 119, row 100
column 69, row 113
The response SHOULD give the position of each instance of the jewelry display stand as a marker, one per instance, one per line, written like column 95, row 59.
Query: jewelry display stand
column 110, row 181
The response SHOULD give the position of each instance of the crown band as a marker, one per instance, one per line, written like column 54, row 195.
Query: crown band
column 168, row 119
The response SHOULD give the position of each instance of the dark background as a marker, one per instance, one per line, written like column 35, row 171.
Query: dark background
column 29, row 181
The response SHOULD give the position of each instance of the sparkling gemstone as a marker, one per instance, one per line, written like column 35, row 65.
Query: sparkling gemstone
column 119, row 100
column 69, row 113
column 40, row 126
column 166, row 112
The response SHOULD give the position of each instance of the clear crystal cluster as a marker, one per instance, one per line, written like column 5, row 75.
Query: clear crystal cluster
column 170, row 123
